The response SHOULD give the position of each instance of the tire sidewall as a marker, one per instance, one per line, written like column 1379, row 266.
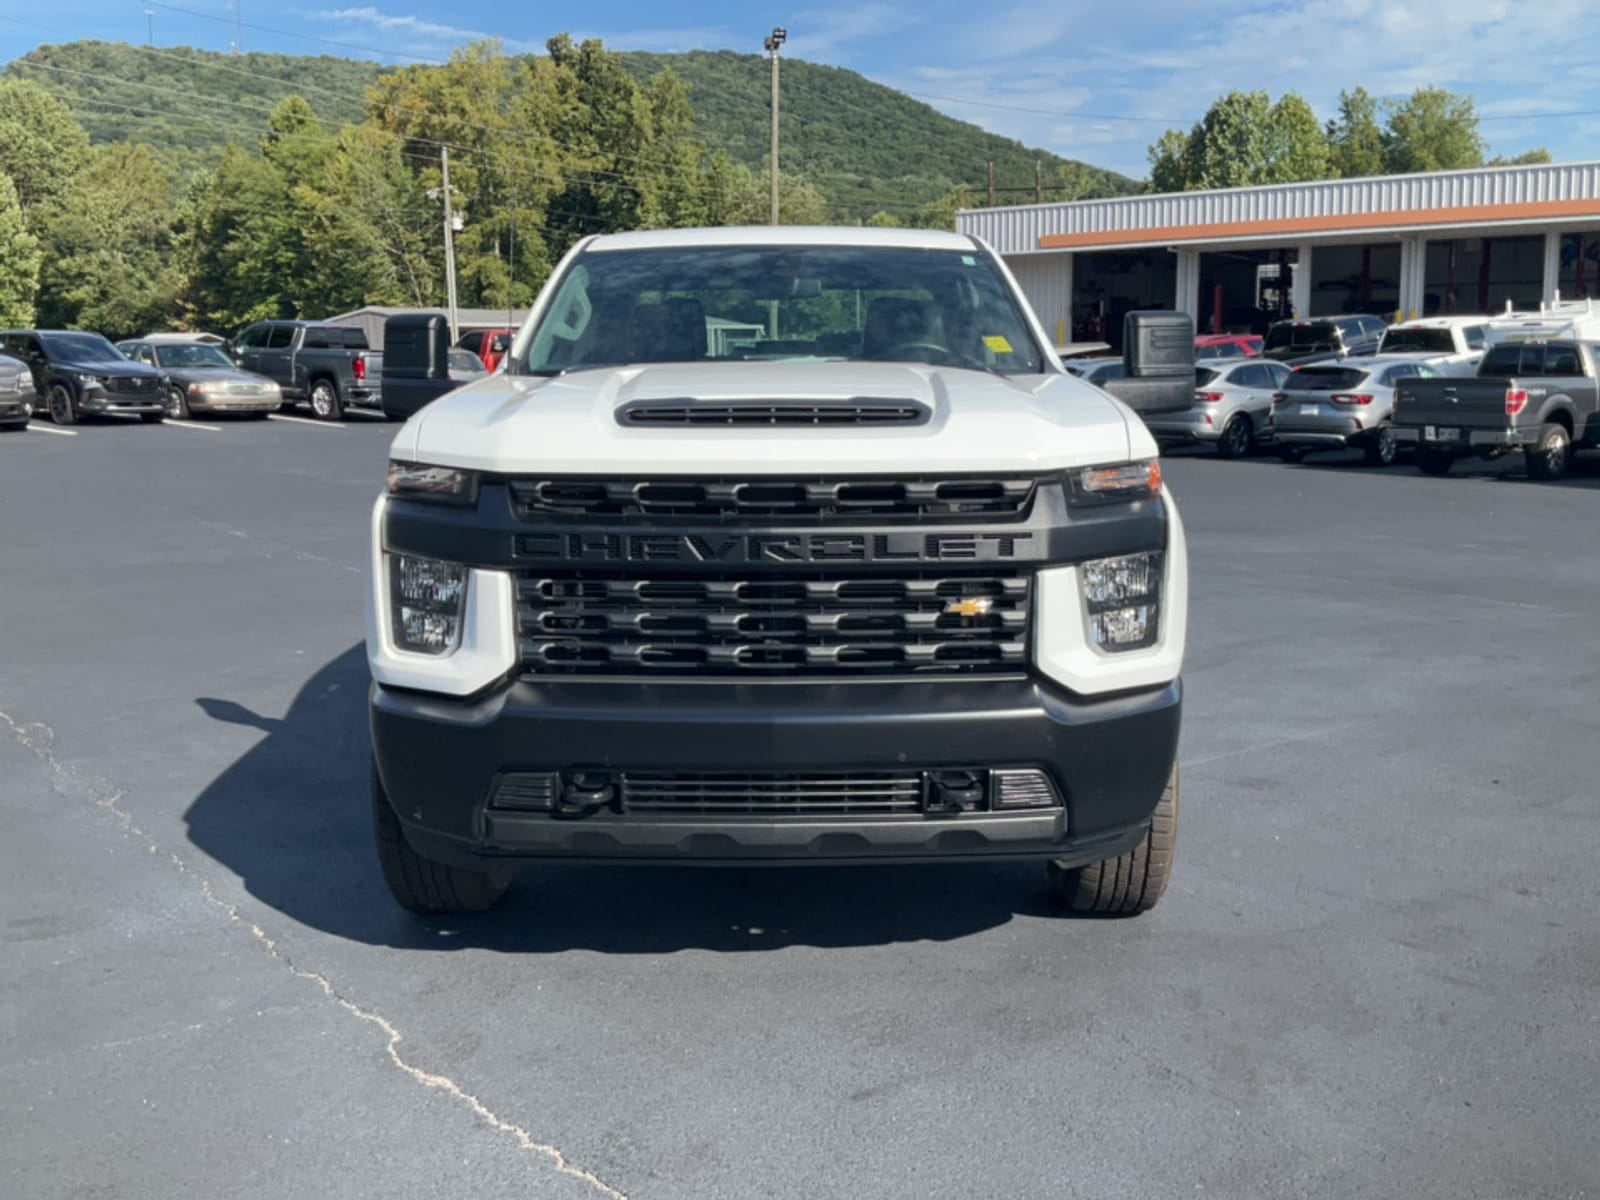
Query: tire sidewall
column 1235, row 439
column 65, row 412
column 328, row 409
column 1555, row 452
column 1383, row 447
column 177, row 404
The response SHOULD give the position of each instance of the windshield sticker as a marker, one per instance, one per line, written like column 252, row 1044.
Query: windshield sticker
column 968, row 261
column 998, row 344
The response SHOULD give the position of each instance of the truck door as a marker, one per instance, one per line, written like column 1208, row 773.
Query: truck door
column 277, row 357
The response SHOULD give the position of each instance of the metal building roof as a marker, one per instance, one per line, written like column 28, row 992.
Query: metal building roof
column 1297, row 211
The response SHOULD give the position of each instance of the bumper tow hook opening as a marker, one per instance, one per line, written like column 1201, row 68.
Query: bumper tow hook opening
column 584, row 795
column 951, row 793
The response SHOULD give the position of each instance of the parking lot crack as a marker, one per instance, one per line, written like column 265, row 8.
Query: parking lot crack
column 39, row 739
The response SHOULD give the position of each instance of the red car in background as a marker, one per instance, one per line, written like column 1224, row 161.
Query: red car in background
column 1227, row 345
column 490, row 345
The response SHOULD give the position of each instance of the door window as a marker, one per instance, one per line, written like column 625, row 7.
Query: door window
column 473, row 342
column 281, row 338
column 1562, row 360
column 253, row 338
column 1473, row 334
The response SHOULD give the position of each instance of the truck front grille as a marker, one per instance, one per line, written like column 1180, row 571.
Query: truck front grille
column 779, row 624
column 728, row 498
column 858, row 793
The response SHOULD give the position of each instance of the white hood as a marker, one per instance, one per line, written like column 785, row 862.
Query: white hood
column 981, row 423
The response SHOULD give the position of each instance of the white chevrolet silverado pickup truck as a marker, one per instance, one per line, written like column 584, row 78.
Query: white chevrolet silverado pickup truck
column 777, row 545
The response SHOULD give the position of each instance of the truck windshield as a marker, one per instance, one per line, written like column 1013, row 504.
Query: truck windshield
column 1412, row 341
column 79, row 347
column 1307, row 337
column 783, row 304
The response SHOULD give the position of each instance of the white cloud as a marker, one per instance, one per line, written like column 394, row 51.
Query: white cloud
column 664, row 41
column 367, row 15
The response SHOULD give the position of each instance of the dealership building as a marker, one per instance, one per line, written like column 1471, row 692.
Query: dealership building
column 1449, row 242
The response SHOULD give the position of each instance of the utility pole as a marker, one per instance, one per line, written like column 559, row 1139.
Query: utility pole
column 773, row 42
column 1038, row 181
column 991, row 183
column 449, row 240
column 150, row 26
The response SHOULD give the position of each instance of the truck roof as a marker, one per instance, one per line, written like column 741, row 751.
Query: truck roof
column 1440, row 322
column 782, row 235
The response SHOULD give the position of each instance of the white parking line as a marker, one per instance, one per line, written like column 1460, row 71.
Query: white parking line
column 32, row 428
column 304, row 421
column 191, row 425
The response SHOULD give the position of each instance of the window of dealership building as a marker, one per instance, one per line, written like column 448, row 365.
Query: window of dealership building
column 1439, row 244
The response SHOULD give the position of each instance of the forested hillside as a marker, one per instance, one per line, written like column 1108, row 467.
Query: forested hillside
column 864, row 146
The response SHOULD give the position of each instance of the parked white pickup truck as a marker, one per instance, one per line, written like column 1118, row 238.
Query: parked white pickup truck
column 877, row 581
column 1450, row 345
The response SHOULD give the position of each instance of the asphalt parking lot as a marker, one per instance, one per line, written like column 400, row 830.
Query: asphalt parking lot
column 1375, row 973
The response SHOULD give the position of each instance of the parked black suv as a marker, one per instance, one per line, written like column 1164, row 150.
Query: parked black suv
column 1317, row 339
column 82, row 374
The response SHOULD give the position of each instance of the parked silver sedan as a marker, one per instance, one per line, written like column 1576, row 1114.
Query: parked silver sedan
column 1341, row 405
column 1232, row 407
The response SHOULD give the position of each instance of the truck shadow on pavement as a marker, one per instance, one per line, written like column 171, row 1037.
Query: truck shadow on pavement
column 291, row 818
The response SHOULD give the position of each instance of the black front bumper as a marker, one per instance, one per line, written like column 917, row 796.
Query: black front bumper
column 1108, row 758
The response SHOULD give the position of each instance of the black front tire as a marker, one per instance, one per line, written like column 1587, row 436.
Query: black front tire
column 1433, row 461
column 1234, row 441
column 1551, row 454
column 1130, row 883
column 1381, row 449
column 63, row 405
column 421, row 884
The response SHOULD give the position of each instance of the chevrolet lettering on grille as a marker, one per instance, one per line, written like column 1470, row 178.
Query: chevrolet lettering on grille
column 735, row 549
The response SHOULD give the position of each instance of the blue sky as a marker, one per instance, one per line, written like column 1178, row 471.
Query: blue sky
column 1098, row 82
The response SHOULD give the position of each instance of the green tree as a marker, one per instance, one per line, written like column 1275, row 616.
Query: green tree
column 19, row 260
column 1232, row 145
column 1169, row 162
column 238, row 269
column 1526, row 158
column 1432, row 130
column 1355, row 139
column 42, row 147
column 1297, row 147
column 884, row 220
column 111, row 262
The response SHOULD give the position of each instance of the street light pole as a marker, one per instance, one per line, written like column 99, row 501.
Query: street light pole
column 773, row 42
column 449, row 239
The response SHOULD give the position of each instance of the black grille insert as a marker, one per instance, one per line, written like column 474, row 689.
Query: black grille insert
column 797, row 499
column 857, row 793
column 783, row 624
column 667, row 413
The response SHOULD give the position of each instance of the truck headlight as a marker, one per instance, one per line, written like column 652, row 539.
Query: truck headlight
column 1127, row 481
column 428, row 600
column 1122, row 600
column 443, row 485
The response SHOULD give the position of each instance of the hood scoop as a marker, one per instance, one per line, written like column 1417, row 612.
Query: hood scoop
column 785, row 413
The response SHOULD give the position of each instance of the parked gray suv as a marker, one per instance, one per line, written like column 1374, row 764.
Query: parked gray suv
column 1232, row 407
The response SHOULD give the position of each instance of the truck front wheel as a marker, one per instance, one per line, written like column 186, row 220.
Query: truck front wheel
column 421, row 884
column 1132, row 882
column 325, row 402
column 1550, row 455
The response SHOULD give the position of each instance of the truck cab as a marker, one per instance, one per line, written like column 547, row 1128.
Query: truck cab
column 1449, row 345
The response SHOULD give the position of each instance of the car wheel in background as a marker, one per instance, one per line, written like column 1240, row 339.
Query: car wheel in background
column 1380, row 451
column 1551, row 453
column 177, row 404
column 325, row 402
column 1131, row 882
column 419, row 883
column 1234, row 441
column 63, row 405
column 1291, row 454
column 1433, row 461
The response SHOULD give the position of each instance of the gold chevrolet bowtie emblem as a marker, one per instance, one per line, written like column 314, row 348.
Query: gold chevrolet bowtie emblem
column 972, row 606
